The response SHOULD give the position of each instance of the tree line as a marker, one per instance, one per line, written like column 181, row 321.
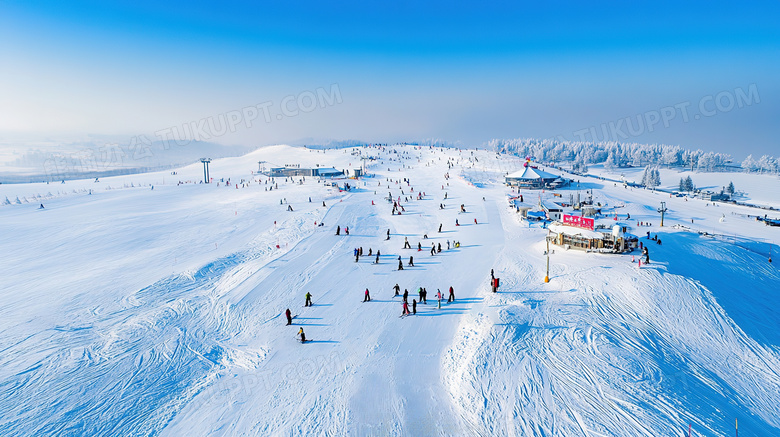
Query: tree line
column 617, row 155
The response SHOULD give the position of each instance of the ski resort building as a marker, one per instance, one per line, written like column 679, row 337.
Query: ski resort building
column 521, row 207
column 297, row 170
column 552, row 210
column 287, row 171
column 575, row 232
column 328, row 172
column 713, row 196
column 534, row 179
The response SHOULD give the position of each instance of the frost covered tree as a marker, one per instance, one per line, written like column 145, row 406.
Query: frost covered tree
column 708, row 161
column 671, row 156
column 652, row 177
column 646, row 176
column 611, row 161
column 656, row 177
column 730, row 188
column 636, row 160
column 682, row 185
column 749, row 164
column 611, row 153
column 766, row 164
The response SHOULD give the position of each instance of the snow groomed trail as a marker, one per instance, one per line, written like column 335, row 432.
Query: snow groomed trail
column 160, row 312
column 387, row 369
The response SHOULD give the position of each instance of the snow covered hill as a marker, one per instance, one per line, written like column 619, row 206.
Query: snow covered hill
column 152, row 304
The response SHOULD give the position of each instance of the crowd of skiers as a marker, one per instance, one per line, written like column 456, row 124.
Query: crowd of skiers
column 421, row 291
column 423, row 298
column 436, row 248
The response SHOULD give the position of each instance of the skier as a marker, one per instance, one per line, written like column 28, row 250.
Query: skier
column 397, row 289
column 452, row 296
column 400, row 264
column 438, row 248
column 406, row 309
column 440, row 225
column 424, row 296
column 492, row 276
column 433, row 249
column 414, row 306
column 438, row 297
column 323, row 204
column 475, row 221
column 369, row 251
column 419, row 247
column 289, row 317
column 448, row 244
column 406, row 295
column 367, row 297
column 41, row 206
column 388, row 235
column 308, row 300
column 303, row 335
column 338, row 229
column 406, row 243
column 346, row 230
column 456, row 222
column 411, row 261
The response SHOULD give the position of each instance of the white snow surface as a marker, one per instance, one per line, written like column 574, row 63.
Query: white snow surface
column 761, row 189
column 127, row 310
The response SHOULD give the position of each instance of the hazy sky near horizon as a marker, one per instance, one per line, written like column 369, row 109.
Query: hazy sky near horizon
column 390, row 71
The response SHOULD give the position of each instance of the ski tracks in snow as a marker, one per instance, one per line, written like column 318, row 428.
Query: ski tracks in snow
column 128, row 368
column 605, row 351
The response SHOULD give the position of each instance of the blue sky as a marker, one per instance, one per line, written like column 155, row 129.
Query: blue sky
column 404, row 70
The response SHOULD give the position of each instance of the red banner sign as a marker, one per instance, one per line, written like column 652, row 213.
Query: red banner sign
column 579, row 222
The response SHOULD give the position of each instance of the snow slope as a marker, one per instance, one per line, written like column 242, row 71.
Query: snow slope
column 752, row 188
column 140, row 311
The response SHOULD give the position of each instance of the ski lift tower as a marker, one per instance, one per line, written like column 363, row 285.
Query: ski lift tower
column 205, row 162
column 662, row 210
